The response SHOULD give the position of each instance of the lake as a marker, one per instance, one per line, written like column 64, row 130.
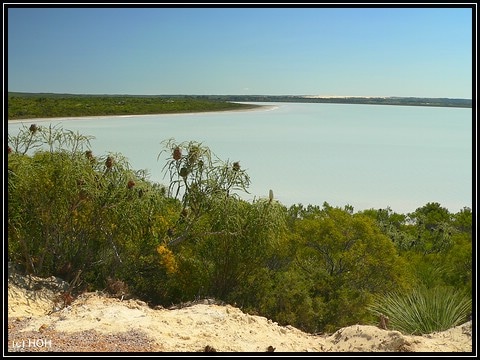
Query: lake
column 366, row 156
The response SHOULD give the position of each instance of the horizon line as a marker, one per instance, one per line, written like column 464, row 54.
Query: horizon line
column 308, row 96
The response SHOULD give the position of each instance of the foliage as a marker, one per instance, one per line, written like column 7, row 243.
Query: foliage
column 348, row 260
column 424, row 310
column 451, row 267
column 462, row 221
column 72, row 212
column 48, row 105
column 392, row 225
column 288, row 300
column 199, row 177
column 220, row 240
column 459, row 264
column 436, row 245
column 76, row 214
column 51, row 138
column 433, row 229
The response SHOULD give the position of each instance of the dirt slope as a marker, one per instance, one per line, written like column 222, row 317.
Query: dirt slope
column 39, row 321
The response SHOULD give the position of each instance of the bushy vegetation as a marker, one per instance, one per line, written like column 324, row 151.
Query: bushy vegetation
column 92, row 220
column 424, row 310
column 33, row 106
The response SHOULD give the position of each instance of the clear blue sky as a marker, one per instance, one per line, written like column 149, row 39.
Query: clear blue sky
column 423, row 52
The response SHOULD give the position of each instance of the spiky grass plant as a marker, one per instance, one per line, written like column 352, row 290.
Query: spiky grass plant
column 424, row 310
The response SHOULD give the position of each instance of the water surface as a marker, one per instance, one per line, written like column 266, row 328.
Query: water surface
column 367, row 156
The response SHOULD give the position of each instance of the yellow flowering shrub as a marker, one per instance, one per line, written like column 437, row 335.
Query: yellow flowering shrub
column 167, row 259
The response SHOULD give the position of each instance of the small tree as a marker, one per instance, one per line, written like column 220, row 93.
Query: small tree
column 219, row 240
column 199, row 179
column 348, row 260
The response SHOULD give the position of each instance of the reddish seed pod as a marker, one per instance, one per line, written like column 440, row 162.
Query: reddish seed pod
column 109, row 162
column 131, row 184
column 177, row 153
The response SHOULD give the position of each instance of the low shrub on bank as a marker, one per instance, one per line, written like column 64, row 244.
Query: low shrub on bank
column 424, row 310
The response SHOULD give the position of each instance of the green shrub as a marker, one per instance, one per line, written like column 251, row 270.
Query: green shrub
column 71, row 212
column 347, row 259
column 219, row 240
column 423, row 310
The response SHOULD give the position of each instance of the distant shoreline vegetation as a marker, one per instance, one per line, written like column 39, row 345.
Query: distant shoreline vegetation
column 35, row 106
column 48, row 105
column 368, row 100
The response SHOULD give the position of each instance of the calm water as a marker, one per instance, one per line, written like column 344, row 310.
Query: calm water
column 367, row 156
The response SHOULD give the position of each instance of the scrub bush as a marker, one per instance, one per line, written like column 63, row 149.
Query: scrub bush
column 423, row 310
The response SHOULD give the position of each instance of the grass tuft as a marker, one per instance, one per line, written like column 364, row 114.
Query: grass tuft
column 424, row 310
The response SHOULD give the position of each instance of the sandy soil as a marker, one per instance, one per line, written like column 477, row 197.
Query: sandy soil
column 41, row 320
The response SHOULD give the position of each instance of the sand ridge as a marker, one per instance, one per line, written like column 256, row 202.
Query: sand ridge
column 98, row 322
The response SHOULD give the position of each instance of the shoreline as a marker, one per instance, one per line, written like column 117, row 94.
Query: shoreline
column 256, row 108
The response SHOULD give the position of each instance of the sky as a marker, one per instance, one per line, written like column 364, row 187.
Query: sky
column 328, row 51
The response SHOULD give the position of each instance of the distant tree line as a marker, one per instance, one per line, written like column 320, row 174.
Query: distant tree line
column 407, row 101
column 33, row 106
column 46, row 105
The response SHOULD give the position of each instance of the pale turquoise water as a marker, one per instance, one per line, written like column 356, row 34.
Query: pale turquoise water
column 367, row 156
